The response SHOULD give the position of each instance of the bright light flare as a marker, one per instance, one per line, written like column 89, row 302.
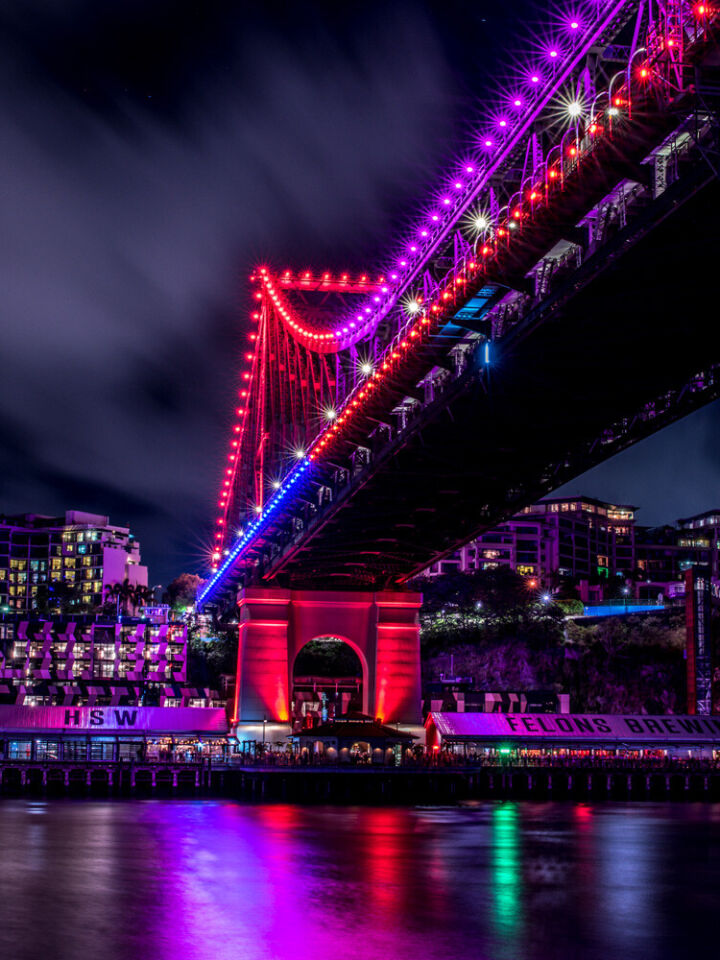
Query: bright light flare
column 478, row 223
column 568, row 108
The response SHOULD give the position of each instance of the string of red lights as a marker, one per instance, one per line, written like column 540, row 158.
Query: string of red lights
column 606, row 120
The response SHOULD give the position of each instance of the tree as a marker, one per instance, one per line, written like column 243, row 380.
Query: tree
column 123, row 594
column 144, row 596
column 182, row 591
column 60, row 597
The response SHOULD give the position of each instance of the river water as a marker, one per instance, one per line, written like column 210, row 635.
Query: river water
column 205, row 880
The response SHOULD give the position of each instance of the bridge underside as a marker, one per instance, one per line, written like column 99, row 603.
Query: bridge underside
column 547, row 410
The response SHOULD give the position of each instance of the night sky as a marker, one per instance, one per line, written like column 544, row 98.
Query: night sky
column 153, row 153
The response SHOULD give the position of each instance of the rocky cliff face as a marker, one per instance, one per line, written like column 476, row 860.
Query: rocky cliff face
column 631, row 665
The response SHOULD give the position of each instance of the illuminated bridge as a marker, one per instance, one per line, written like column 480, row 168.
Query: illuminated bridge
column 554, row 303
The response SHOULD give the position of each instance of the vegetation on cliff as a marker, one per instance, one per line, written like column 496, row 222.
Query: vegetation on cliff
column 509, row 638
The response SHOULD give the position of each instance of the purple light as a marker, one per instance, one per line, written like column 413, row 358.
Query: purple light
column 488, row 143
column 553, row 53
column 386, row 289
column 534, row 78
column 359, row 316
column 435, row 217
column 403, row 263
column 393, row 276
column 447, row 201
column 574, row 25
column 367, row 310
column 517, row 103
column 470, row 169
column 423, row 233
column 503, row 123
column 413, row 249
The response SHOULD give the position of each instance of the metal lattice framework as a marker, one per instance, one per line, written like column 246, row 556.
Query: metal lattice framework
column 607, row 100
column 298, row 374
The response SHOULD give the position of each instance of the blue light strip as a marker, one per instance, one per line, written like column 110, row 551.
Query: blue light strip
column 255, row 527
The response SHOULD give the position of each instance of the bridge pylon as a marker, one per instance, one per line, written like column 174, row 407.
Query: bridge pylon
column 381, row 627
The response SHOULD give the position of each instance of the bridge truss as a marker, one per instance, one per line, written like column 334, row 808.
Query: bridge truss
column 600, row 136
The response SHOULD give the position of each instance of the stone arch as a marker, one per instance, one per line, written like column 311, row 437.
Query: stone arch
column 275, row 624
column 357, row 650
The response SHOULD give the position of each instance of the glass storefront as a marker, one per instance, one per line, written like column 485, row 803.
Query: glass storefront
column 75, row 749
column 102, row 748
column 47, row 750
column 189, row 748
column 19, row 750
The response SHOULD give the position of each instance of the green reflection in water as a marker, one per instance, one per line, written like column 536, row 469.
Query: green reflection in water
column 506, row 873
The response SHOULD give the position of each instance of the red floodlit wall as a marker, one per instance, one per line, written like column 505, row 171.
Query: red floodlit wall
column 382, row 628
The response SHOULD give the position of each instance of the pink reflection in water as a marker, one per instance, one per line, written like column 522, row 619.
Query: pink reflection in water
column 215, row 881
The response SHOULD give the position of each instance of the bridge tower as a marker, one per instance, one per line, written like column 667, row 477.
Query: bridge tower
column 381, row 627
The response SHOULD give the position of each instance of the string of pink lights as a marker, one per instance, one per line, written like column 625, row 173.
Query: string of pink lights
column 427, row 316
column 551, row 60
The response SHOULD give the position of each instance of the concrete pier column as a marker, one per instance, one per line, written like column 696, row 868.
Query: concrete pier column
column 381, row 628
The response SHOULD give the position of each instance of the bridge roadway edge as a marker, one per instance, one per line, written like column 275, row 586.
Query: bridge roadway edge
column 635, row 346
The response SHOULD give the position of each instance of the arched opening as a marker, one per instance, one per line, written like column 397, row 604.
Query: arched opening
column 328, row 680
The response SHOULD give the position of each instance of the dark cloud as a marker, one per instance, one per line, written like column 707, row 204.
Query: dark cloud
column 152, row 154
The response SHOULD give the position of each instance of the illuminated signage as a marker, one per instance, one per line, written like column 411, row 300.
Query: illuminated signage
column 568, row 726
column 97, row 719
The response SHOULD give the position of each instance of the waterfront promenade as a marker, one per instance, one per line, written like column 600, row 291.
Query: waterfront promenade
column 367, row 783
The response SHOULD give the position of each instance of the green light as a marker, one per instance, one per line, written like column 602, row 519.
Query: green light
column 507, row 875
column 504, row 751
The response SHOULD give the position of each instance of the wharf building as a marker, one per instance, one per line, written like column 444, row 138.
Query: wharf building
column 83, row 551
column 579, row 538
column 538, row 738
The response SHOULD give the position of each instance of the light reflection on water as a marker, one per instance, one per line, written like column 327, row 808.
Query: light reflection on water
column 495, row 881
